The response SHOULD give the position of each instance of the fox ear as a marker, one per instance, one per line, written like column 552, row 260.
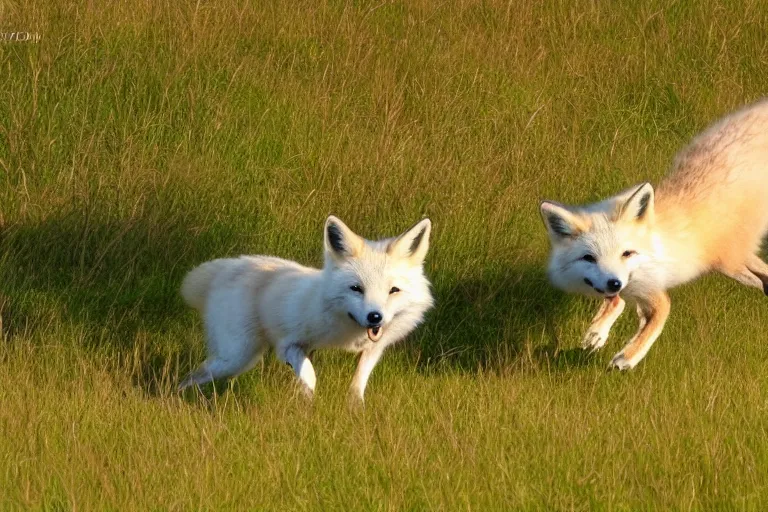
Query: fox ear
column 639, row 206
column 340, row 241
column 560, row 221
column 413, row 244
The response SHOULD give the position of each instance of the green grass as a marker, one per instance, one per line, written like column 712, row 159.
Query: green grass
column 138, row 139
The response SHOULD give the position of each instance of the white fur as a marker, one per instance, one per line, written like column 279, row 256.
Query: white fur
column 252, row 302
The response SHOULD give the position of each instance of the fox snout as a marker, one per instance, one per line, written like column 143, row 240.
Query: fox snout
column 373, row 324
column 372, row 319
column 612, row 285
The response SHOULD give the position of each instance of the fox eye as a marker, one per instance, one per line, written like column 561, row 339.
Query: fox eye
column 589, row 258
column 394, row 289
column 356, row 288
column 627, row 254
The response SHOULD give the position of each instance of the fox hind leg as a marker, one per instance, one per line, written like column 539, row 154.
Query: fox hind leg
column 233, row 340
column 215, row 368
column 747, row 277
column 752, row 273
column 759, row 269
column 205, row 373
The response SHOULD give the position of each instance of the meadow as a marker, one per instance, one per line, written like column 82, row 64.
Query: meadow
column 140, row 138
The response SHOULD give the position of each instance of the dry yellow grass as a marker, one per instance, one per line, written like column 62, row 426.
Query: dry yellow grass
column 140, row 138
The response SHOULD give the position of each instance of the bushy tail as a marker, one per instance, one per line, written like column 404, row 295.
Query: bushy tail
column 197, row 283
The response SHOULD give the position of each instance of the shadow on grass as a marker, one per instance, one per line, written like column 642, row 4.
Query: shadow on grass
column 566, row 359
column 113, row 280
column 501, row 320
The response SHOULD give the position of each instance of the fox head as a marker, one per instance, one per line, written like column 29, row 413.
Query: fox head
column 596, row 249
column 373, row 283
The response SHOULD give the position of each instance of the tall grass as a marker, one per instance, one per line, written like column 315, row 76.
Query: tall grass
column 140, row 138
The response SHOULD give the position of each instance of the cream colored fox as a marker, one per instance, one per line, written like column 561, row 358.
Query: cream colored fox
column 367, row 296
column 709, row 213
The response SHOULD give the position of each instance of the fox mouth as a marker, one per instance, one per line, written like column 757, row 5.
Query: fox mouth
column 589, row 283
column 607, row 293
column 375, row 333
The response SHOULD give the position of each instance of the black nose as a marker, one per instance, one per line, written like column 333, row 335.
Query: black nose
column 374, row 317
column 613, row 285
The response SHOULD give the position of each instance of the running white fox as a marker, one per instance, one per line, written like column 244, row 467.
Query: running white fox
column 367, row 296
column 710, row 213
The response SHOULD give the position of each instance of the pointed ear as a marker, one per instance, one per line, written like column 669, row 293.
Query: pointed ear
column 340, row 241
column 639, row 206
column 560, row 221
column 413, row 244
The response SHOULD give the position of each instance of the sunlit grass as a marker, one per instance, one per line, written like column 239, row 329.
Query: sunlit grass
column 138, row 139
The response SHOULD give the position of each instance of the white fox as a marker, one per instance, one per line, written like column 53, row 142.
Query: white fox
column 367, row 296
column 709, row 213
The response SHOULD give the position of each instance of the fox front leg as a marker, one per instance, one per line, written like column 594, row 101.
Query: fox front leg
column 365, row 365
column 653, row 313
column 606, row 316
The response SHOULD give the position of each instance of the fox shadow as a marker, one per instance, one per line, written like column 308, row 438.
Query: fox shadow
column 501, row 321
column 111, row 281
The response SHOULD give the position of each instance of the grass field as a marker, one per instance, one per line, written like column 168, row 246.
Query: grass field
column 140, row 138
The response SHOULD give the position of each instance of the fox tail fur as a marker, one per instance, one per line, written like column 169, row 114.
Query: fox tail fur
column 197, row 283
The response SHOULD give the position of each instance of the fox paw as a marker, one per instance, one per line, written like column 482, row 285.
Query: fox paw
column 355, row 402
column 619, row 362
column 304, row 392
column 593, row 341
